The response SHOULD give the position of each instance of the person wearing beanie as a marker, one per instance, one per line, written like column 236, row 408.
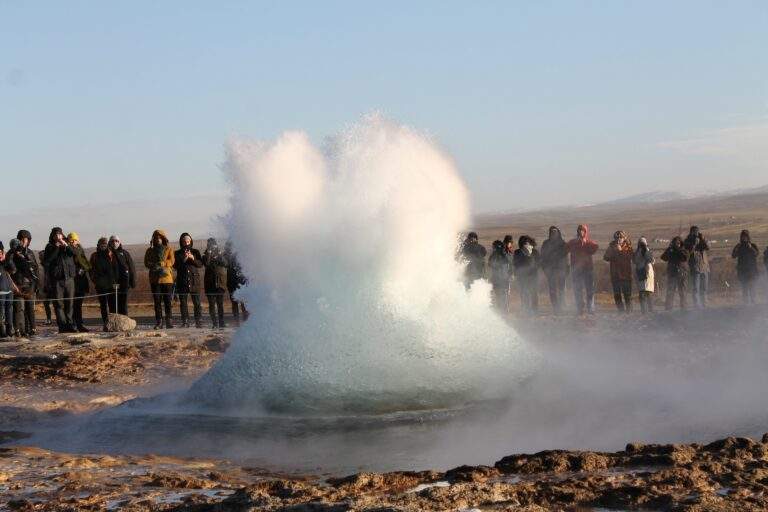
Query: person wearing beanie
column 159, row 260
column 27, row 279
column 60, row 269
column 188, row 262
column 643, row 264
column 7, row 291
column 581, row 249
column 215, row 281
column 554, row 263
column 746, row 254
column 527, row 261
column 104, row 276
column 82, row 285
column 125, row 271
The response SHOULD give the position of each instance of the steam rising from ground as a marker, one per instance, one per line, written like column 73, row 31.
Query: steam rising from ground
column 357, row 304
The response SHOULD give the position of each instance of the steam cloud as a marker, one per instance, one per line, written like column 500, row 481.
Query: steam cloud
column 356, row 298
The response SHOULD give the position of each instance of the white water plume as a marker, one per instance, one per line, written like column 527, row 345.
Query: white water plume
column 355, row 295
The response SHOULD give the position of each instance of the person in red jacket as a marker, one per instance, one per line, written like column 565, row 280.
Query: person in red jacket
column 581, row 250
column 619, row 254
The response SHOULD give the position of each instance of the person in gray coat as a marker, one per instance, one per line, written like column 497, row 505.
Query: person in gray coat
column 698, row 265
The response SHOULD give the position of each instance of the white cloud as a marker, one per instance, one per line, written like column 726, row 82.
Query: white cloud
column 745, row 143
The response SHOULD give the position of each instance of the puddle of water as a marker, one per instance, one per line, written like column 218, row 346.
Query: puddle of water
column 422, row 487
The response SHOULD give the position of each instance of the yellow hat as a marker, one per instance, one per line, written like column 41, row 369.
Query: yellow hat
column 73, row 237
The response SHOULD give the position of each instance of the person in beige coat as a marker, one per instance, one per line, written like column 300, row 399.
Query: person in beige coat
column 643, row 264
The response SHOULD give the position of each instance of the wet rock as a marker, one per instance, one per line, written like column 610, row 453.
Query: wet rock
column 7, row 436
column 556, row 461
column 120, row 323
column 398, row 480
column 216, row 344
column 471, row 474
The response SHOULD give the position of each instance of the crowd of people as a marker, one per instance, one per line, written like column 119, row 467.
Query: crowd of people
column 687, row 271
column 62, row 276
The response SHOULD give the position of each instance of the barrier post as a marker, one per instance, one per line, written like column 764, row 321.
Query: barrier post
column 116, row 287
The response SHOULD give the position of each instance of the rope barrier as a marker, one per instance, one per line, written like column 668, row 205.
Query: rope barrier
column 108, row 294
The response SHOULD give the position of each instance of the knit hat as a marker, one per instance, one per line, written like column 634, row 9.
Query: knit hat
column 642, row 241
column 23, row 233
column 102, row 240
column 2, row 248
column 113, row 238
column 73, row 237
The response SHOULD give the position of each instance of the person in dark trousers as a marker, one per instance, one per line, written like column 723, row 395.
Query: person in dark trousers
column 677, row 272
column 215, row 281
column 746, row 254
column 17, row 313
column 581, row 250
column 235, row 279
column 554, row 263
column 126, row 273
column 159, row 261
column 42, row 290
column 472, row 254
column 188, row 263
column 27, row 279
column 7, row 290
column 698, row 265
column 500, row 267
column 82, row 284
column 619, row 255
column 60, row 268
column 104, row 277
column 643, row 263
column 526, row 267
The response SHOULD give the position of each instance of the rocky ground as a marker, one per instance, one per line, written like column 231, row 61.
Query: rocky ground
column 75, row 374
column 726, row 475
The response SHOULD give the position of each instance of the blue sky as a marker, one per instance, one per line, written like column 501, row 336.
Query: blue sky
column 539, row 102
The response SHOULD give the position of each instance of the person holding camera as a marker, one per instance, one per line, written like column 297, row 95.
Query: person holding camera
column 27, row 279
column 698, row 263
column 60, row 268
column 159, row 260
column 188, row 263
column 677, row 272
column 746, row 254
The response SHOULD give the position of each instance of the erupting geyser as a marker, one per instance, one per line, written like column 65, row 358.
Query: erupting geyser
column 355, row 296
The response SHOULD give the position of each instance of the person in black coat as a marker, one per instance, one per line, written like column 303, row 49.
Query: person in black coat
column 188, row 263
column 104, row 276
column 746, row 254
column 677, row 272
column 527, row 262
column 554, row 263
column 60, row 268
column 472, row 254
column 126, row 273
column 27, row 279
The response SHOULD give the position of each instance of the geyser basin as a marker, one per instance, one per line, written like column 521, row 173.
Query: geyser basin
column 356, row 298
